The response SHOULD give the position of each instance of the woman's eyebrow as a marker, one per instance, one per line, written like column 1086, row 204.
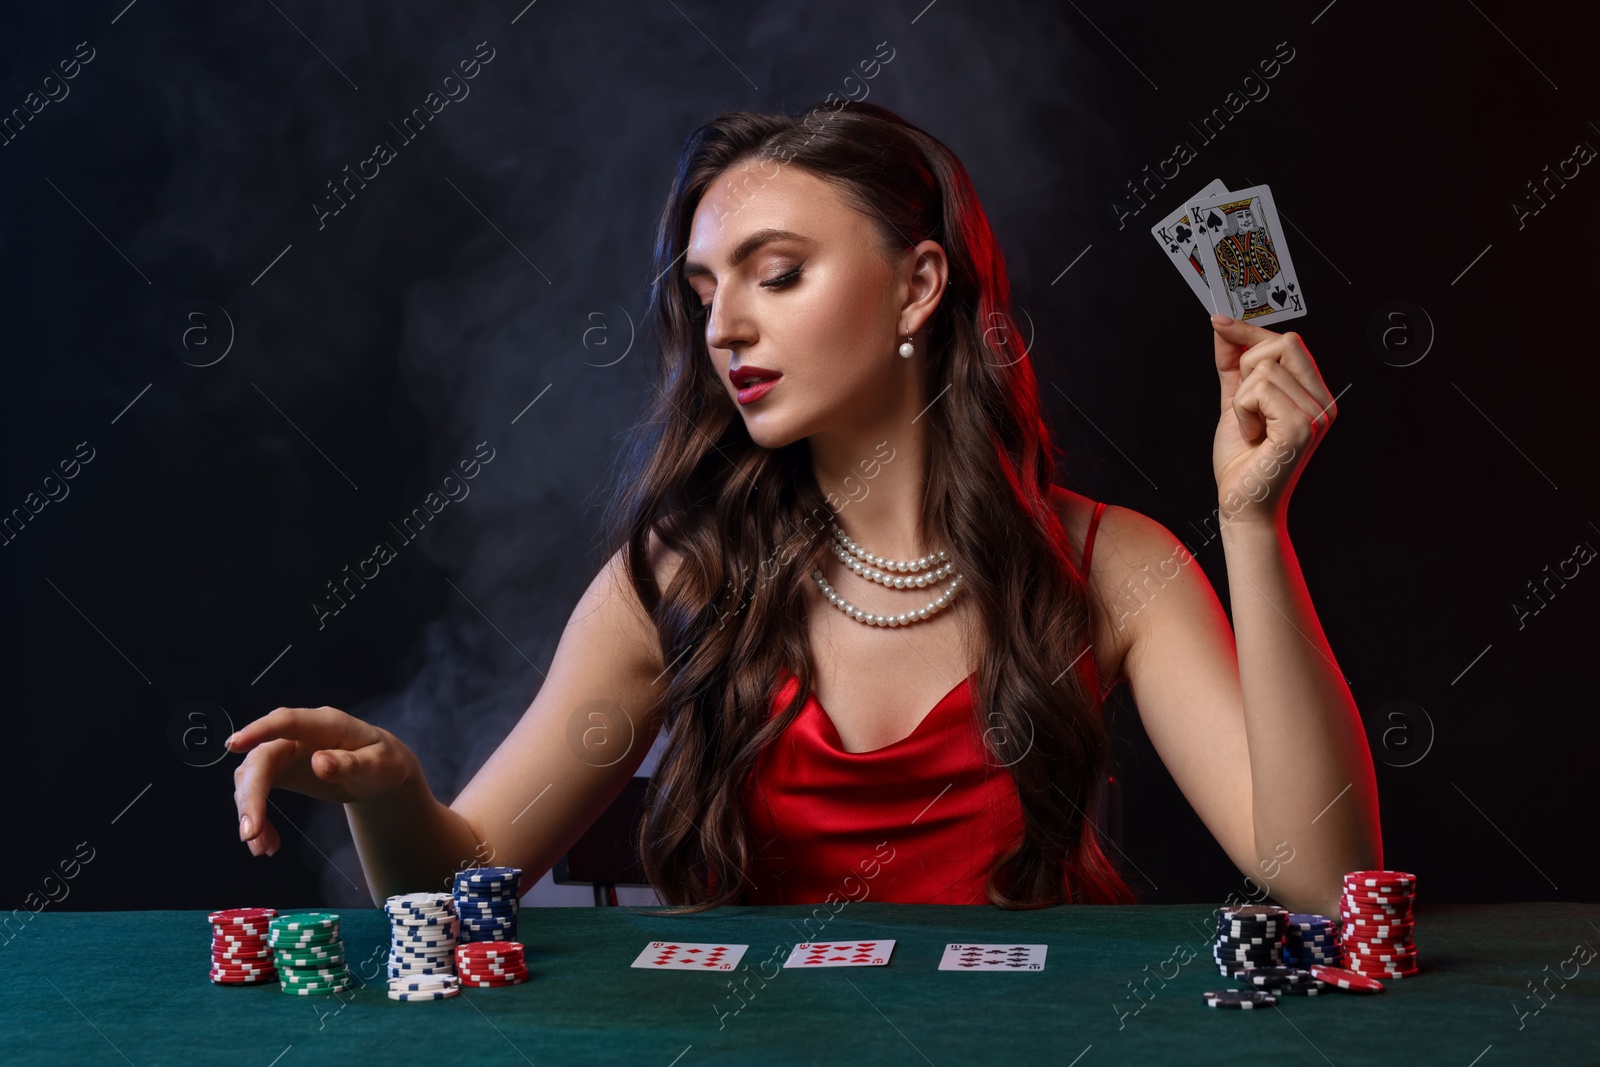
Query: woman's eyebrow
column 744, row 248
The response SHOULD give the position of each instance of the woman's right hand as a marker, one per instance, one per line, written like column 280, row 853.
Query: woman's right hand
column 321, row 752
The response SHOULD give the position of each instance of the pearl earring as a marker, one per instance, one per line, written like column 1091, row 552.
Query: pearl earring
column 905, row 347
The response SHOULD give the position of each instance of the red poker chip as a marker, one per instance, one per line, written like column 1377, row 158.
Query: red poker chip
column 1383, row 963
column 482, row 973
column 1378, row 935
column 1372, row 917
column 1379, row 878
column 234, row 972
column 483, row 984
column 1366, row 966
column 490, row 948
column 1363, row 904
column 243, row 966
column 1381, row 906
column 231, row 916
column 1378, row 939
column 1342, row 978
column 1381, row 951
column 492, row 972
column 240, row 979
column 1378, row 929
column 225, row 933
column 1381, row 900
column 516, row 954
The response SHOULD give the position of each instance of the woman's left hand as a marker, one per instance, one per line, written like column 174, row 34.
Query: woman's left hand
column 1275, row 411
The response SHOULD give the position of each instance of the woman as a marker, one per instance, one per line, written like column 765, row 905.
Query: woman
column 837, row 386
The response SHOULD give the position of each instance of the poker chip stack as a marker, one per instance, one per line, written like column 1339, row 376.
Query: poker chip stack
column 1249, row 938
column 491, row 963
column 240, row 954
column 310, row 953
column 1379, row 923
column 486, row 901
column 1312, row 940
column 422, row 941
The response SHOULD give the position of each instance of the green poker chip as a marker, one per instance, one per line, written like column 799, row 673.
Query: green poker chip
column 305, row 920
column 307, row 974
column 311, row 963
column 307, row 990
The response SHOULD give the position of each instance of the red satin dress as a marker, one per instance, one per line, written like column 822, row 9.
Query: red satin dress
column 916, row 822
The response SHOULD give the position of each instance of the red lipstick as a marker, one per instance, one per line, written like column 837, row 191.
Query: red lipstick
column 752, row 383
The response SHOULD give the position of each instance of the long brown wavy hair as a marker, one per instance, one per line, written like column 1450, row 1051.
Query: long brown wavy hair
column 745, row 521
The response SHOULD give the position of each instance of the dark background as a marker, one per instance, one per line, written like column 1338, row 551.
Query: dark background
column 502, row 259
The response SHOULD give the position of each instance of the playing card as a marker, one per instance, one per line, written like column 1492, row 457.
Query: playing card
column 1254, row 280
column 993, row 958
column 840, row 954
column 1178, row 236
column 690, row 956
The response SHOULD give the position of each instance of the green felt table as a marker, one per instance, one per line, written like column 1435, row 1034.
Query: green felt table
column 131, row 988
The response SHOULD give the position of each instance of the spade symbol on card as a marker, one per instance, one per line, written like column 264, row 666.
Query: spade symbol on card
column 1278, row 296
column 1213, row 221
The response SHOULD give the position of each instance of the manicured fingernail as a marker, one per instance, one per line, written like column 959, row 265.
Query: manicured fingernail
column 231, row 739
column 273, row 851
column 246, row 827
column 1221, row 320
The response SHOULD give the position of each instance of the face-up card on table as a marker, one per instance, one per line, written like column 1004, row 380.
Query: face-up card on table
column 840, row 954
column 1250, row 272
column 993, row 958
column 690, row 956
column 1186, row 245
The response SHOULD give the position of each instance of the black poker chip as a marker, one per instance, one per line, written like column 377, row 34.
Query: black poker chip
column 1239, row 998
column 1277, row 978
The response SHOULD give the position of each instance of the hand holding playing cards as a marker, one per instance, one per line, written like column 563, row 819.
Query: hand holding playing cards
column 1275, row 410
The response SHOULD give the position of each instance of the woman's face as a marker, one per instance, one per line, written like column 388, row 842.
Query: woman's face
column 796, row 285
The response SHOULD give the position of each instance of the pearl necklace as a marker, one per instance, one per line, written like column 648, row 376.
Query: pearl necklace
column 891, row 573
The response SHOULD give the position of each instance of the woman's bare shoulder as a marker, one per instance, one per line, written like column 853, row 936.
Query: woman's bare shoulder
column 1125, row 542
column 1123, row 534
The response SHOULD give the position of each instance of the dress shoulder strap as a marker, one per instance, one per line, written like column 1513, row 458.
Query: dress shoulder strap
column 1088, row 541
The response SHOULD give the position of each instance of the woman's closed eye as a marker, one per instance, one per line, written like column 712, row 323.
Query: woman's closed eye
column 701, row 312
